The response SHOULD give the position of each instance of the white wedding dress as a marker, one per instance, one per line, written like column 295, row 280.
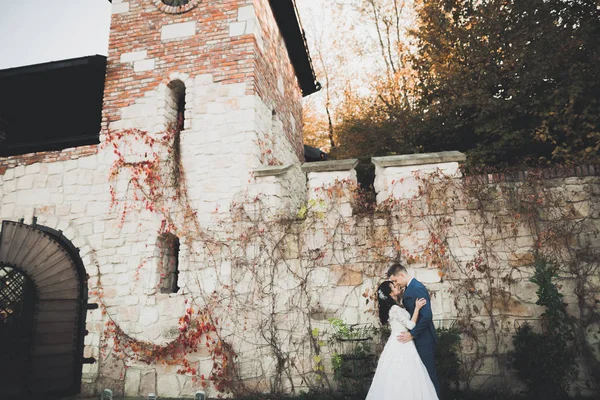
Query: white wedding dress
column 400, row 373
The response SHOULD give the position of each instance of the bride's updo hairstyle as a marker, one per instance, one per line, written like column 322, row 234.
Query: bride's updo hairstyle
column 385, row 301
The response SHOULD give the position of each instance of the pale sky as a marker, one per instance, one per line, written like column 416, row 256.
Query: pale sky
column 38, row 31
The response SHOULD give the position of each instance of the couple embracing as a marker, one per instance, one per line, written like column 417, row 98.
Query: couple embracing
column 406, row 367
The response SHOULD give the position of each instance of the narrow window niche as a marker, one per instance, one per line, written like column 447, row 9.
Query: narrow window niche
column 168, row 262
column 175, row 110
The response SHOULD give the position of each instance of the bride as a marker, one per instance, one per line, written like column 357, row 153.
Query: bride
column 400, row 372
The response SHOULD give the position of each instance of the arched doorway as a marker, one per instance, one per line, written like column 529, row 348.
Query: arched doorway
column 43, row 288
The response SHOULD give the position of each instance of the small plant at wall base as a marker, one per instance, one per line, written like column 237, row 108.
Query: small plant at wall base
column 353, row 358
column 447, row 359
column 260, row 249
column 545, row 361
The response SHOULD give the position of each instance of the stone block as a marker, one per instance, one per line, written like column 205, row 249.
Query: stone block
column 32, row 169
column 524, row 242
column 236, row 90
column 147, row 382
column 170, row 307
column 9, row 186
column 70, row 180
column 88, row 163
column 526, row 291
column 132, row 382
column 143, row 65
column 237, row 28
column 120, row 8
column 25, row 182
column 521, row 259
column 9, row 174
column 215, row 108
column 129, row 313
column 32, row 197
column 123, row 279
column 178, row 30
column 167, row 386
column 344, row 276
column 428, row 275
column 148, row 316
column 246, row 13
column 133, row 56
column 113, row 368
column 246, row 102
column 40, row 180
column 19, row 171
column 9, row 198
column 63, row 210
column 506, row 304
column 70, row 165
column 98, row 226
column 345, row 210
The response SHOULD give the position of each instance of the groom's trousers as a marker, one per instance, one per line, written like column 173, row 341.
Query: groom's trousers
column 427, row 354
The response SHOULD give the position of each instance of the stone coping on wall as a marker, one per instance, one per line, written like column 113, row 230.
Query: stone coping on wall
column 274, row 170
column 327, row 166
column 556, row 172
column 419, row 159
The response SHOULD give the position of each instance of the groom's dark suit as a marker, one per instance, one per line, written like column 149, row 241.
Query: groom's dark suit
column 423, row 333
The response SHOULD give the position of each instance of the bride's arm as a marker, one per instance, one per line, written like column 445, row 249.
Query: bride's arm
column 418, row 305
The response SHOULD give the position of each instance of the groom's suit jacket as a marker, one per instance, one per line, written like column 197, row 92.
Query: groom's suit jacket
column 424, row 332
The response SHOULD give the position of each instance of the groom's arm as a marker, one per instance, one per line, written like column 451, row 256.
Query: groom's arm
column 425, row 315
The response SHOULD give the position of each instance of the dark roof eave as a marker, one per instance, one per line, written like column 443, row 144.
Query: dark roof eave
column 286, row 15
column 53, row 65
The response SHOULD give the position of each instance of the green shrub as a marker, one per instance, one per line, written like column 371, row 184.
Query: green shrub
column 353, row 358
column 545, row 361
column 447, row 359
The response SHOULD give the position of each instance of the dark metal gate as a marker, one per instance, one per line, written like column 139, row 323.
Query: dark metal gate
column 44, row 302
column 17, row 301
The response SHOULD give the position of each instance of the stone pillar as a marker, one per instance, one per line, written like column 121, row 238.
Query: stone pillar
column 272, row 187
column 331, row 181
column 395, row 175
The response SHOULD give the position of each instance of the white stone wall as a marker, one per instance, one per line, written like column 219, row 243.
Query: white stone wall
column 219, row 153
column 397, row 176
column 227, row 134
column 341, row 256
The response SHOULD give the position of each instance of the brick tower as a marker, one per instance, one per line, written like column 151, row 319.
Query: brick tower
column 230, row 73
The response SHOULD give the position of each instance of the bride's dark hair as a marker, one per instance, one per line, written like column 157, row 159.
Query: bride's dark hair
column 385, row 301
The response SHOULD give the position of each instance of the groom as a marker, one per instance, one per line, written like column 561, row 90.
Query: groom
column 424, row 332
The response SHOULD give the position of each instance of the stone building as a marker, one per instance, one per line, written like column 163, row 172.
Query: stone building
column 174, row 241
column 225, row 78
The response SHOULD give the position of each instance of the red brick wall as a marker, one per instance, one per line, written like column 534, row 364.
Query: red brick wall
column 47, row 156
column 211, row 50
column 271, row 64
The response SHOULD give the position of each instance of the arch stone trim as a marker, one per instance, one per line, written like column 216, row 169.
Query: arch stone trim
column 176, row 9
column 162, row 92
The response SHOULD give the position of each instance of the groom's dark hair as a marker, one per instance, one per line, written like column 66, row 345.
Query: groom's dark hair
column 395, row 268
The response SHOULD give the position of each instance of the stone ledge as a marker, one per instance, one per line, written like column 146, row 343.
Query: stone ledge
column 271, row 170
column 326, row 166
column 419, row 159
